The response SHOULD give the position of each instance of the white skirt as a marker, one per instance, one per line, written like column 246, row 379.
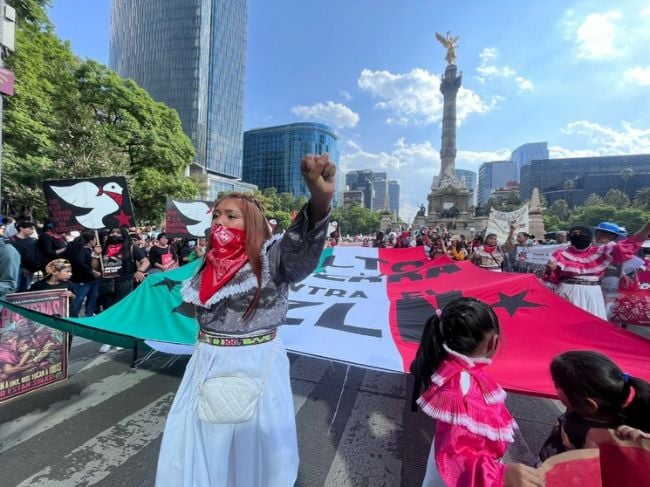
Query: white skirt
column 259, row 453
column 589, row 298
column 431, row 477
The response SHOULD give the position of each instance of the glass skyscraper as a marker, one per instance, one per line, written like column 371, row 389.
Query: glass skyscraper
column 523, row 154
column 190, row 55
column 272, row 155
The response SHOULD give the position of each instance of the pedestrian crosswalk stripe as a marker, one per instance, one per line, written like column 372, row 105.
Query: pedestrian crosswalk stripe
column 104, row 453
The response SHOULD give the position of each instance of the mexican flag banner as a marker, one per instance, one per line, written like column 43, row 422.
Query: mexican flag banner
column 368, row 307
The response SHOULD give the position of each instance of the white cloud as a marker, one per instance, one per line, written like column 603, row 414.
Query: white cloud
column 354, row 157
column 524, row 84
column 415, row 98
column 335, row 114
column 608, row 141
column 639, row 75
column 596, row 37
column 345, row 95
column 645, row 12
column 489, row 70
column 412, row 164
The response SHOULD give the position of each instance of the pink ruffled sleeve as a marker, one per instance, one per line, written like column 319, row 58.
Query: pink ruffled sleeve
column 626, row 249
column 468, row 460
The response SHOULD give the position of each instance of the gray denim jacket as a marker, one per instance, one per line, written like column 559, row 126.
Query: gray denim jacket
column 285, row 260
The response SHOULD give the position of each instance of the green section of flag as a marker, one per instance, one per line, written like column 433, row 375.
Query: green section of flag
column 327, row 251
column 154, row 311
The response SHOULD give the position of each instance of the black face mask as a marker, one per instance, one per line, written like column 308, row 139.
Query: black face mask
column 114, row 239
column 580, row 242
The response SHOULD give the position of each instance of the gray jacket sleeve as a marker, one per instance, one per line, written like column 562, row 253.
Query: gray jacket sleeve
column 297, row 255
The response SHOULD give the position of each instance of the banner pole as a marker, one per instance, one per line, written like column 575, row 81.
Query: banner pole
column 97, row 242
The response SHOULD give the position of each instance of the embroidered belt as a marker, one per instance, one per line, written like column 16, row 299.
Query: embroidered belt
column 581, row 282
column 233, row 341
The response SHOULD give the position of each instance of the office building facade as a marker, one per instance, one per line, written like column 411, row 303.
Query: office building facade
column 362, row 180
column 523, row 154
column 190, row 55
column 380, row 187
column 492, row 175
column 471, row 183
column 586, row 175
column 393, row 196
column 272, row 155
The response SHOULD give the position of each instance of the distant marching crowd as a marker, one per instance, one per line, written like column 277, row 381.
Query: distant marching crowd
column 586, row 268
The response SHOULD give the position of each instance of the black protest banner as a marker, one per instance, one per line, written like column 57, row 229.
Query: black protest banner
column 91, row 203
column 187, row 218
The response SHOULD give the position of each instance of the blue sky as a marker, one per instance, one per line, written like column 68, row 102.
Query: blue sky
column 573, row 73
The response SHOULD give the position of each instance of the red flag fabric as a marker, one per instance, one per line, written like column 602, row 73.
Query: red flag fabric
column 536, row 324
column 577, row 468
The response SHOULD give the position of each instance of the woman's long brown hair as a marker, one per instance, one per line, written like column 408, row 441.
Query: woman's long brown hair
column 257, row 232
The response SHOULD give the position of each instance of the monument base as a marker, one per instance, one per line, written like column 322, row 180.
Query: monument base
column 448, row 202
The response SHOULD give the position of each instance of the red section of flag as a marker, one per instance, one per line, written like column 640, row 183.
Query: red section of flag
column 624, row 466
column 536, row 324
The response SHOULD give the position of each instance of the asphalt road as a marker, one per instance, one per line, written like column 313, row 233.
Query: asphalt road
column 103, row 426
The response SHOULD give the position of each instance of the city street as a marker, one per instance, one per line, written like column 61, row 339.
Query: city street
column 103, row 426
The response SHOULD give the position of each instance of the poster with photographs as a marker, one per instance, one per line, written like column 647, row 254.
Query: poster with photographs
column 32, row 355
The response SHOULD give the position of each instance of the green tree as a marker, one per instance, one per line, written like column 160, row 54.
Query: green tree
column 70, row 119
column 356, row 219
column 626, row 174
column 642, row 198
column 560, row 209
column 44, row 68
column 553, row 222
column 616, row 198
column 493, row 203
column 632, row 218
column 279, row 206
column 593, row 200
column 592, row 215
column 32, row 12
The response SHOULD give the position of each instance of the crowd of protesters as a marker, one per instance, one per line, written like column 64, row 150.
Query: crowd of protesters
column 99, row 269
column 96, row 269
column 585, row 266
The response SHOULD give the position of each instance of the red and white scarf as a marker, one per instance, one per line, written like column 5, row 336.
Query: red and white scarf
column 226, row 256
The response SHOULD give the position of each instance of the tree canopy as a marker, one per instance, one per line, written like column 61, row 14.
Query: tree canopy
column 72, row 119
column 614, row 207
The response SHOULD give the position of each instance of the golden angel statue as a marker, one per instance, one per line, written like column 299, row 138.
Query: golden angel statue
column 450, row 44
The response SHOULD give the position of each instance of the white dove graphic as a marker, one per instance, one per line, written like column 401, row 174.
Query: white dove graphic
column 197, row 211
column 100, row 201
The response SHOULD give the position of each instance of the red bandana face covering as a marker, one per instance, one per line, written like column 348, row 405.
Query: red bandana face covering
column 225, row 258
column 489, row 248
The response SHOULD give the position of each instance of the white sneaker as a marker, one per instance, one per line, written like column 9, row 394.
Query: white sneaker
column 104, row 348
column 119, row 348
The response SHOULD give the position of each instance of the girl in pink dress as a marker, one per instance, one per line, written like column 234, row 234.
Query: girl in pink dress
column 473, row 425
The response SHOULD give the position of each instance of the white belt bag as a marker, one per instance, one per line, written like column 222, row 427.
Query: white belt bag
column 229, row 399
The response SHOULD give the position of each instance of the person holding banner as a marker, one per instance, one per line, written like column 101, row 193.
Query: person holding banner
column 490, row 256
column 578, row 269
column 241, row 297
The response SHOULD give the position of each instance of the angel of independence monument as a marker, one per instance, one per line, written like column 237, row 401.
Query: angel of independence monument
column 449, row 198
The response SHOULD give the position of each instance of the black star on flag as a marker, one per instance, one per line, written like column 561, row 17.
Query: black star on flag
column 170, row 283
column 513, row 303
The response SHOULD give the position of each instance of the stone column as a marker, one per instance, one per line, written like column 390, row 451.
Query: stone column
column 449, row 86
